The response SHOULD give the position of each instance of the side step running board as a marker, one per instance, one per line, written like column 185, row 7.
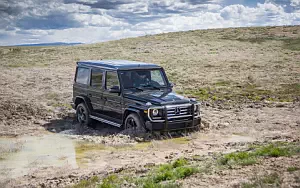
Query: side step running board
column 105, row 121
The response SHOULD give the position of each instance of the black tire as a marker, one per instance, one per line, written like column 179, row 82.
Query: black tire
column 83, row 115
column 134, row 125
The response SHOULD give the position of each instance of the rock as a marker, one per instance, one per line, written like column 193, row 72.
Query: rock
column 71, row 115
column 223, row 125
column 280, row 105
column 204, row 124
column 40, row 122
column 141, row 170
column 257, row 121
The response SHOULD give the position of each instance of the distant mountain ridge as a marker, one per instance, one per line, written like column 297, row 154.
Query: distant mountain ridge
column 51, row 44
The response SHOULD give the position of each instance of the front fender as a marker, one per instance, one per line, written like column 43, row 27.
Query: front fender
column 86, row 101
column 129, row 110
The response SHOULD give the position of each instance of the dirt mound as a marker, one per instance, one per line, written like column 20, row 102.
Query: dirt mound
column 16, row 114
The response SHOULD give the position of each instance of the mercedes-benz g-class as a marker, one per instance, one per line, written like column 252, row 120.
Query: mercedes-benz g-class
column 131, row 94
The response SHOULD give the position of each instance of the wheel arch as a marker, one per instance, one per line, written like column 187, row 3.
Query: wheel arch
column 132, row 110
column 85, row 100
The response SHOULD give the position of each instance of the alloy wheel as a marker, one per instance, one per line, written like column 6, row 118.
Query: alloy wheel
column 81, row 117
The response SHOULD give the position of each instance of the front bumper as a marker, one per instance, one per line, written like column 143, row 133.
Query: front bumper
column 173, row 125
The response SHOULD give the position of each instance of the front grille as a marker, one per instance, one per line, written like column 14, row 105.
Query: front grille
column 179, row 111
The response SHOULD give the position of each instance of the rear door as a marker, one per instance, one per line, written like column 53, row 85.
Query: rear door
column 112, row 101
column 81, row 81
column 96, row 90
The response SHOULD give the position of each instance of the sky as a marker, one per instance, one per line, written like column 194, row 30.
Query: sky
column 91, row 21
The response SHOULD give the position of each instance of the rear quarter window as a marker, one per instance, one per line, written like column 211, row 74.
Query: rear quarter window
column 82, row 75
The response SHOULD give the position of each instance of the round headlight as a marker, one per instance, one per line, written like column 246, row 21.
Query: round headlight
column 195, row 107
column 155, row 112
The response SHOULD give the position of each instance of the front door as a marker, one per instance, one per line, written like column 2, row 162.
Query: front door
column 112, row 101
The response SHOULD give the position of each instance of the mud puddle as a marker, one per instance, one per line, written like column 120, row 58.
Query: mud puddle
column 22, row 155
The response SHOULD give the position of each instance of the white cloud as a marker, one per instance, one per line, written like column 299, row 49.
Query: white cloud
column 295, row 3
column 90, row 24
column 99, row 20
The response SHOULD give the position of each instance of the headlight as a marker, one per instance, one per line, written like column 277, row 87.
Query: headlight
column 155, row 112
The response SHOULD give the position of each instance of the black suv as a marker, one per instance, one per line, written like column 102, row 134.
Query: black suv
column 131, row 94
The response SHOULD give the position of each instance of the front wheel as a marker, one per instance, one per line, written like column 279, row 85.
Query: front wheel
column 134, row 125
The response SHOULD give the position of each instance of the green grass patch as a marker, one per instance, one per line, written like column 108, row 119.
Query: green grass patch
column 292, row 44
column 222, row 83
column 162, row 176
column 177, row 170
column 111, row 181
column 292, row 169
column 238, row 158
column 274, row 150
column 257, row 40
column 248, row 92
column 87, row 183
column 251, row 157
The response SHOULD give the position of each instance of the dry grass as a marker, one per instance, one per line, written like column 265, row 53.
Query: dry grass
column 221, row 64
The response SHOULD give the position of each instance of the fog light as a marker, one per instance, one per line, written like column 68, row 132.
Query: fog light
column 155, row 112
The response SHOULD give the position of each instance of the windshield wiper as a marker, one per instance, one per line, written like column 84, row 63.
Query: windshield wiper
column 154, row 87
column 137, row 88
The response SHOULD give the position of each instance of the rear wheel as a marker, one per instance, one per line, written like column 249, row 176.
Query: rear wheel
column 134, row 125
column 83, row 115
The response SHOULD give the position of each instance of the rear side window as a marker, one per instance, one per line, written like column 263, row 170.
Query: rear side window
column 82, row 75
column 112, row 80
column 96, row 78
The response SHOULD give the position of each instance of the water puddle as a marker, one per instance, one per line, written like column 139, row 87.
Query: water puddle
column 23, row 155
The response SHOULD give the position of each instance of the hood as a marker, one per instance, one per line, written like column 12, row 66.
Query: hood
column 156, row 97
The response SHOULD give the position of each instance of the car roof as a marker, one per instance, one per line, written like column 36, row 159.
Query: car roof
column 117, row 64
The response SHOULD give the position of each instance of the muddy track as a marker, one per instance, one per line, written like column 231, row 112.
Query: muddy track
column 225, row 131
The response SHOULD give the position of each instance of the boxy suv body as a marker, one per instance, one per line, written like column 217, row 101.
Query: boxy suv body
column 130, row 94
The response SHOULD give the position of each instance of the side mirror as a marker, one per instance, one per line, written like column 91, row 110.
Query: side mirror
column 115, row 89
column 171, row 84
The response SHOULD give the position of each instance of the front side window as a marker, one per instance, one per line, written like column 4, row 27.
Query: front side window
column 82, row 75
column 142, row 78
column 112, row 80
column 96, row 78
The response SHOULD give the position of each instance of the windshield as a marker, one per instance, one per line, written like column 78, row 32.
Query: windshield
column 142, row 78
